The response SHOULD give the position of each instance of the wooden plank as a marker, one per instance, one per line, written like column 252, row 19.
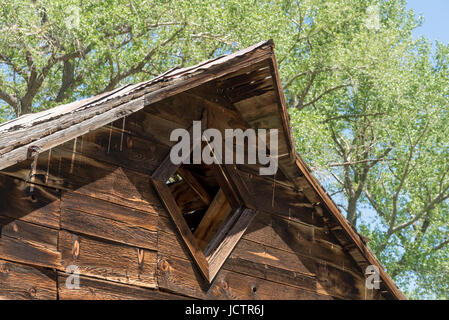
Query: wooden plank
column 188, row 177
column 270, row 263
column 214, row 217
column 29, row 253
column 22, row 282
column 38, row 207
column 180, row 109
column 167, row 168
column 288, row 238
column 72, row 201
column 341, row 284
column 181, row 276
column 172, row 244
column 273, row 228
column 107, row 260
column 66, row 170
column 177, row 275
column 286, row 267
column 224, row 249
column 152, row 127
column 278, row 199
column 274, row 274
column 96, row 289
column 186, row 198
column 119, row 147
column 282, row 107
column 93, row 225
column 181, row 225
column 30, row 233
column 212, row 91
column 223, row 232
column 280, row 259
column 47, row 142
column 257, row 72
column 18, row 131
column 239, row 186
column 225, row 183
column 214, row 71
column 262, row 239
column 28, row 243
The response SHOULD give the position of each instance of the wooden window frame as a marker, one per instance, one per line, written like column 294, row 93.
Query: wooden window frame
column 224, row 241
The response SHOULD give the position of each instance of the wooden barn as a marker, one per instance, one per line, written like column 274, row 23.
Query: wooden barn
column 88, row 192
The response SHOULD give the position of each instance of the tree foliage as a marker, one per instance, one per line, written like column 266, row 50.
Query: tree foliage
column 368, row 103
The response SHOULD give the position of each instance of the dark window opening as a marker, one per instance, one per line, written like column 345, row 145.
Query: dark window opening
column 202, row 203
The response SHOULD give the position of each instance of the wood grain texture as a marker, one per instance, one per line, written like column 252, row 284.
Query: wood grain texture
column 28, row 243
column 178, row 275
column 89, row 224
column 278, row 199
column 218, row 257
column 72, row 201
column 96, row 289
column 213, row 219
column 46, row 141
column 107, row 260
column 273, row 261
column 193, row 183
column 120, row 147
column 38, row 207
column 186, row 198
column 181, row 225
column 30, row 233
column 66, row 170
column 22, row 282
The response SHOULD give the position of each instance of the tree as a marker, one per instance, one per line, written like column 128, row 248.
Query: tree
column 368, row 104
column 382, row 125
column 56, row 51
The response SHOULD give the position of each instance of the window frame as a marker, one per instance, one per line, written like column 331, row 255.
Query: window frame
column 224, row 241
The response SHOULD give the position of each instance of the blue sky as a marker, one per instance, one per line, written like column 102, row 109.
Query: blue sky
column 436, row 15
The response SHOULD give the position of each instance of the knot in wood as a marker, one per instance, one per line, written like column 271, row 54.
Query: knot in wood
column 33, row 150
column 4, row 268
column 164, row 266
column 32, row 292
column 76, row 248
column 224, row 285
column 140, row 255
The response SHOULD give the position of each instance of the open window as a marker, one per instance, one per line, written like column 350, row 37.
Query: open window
column 206, row 209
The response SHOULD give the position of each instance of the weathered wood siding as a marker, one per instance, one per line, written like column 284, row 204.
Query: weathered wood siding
column 91, row 204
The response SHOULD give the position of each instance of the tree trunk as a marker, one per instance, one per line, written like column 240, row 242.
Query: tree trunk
column 351, row 215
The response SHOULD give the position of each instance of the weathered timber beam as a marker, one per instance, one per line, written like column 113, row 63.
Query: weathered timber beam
column 71, row 132
column 214, row 217
column 176, row 214
column 188, row 177
column 235, row 231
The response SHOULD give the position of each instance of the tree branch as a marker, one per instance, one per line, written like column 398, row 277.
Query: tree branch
column 323, row 94
column 138, row 68
column 9, row 99
column 441, row 245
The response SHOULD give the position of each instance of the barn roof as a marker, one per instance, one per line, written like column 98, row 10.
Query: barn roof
column 245, row 76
